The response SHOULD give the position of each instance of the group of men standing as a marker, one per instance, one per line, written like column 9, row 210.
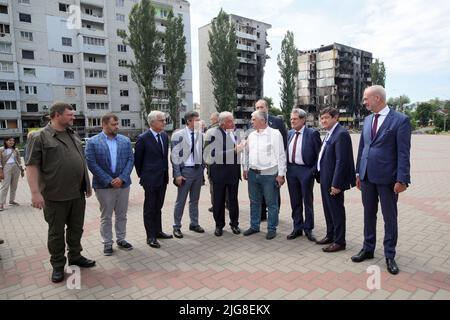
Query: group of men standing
column 59, row 183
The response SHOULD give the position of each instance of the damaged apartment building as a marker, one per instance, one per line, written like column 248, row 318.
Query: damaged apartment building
column 333, row 76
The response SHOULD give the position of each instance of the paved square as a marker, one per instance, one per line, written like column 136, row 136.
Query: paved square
column 202, row 266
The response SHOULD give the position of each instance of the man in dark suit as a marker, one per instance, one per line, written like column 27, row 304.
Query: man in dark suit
column 225, row 171
column 152, row 167
column 383, row 171
column 275, row 123
column 336, row 174
column 302, row 152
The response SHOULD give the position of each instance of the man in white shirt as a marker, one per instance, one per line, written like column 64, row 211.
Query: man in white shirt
column 264, row 168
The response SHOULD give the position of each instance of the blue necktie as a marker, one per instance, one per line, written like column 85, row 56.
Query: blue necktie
column 160, row 142
column 192, row 146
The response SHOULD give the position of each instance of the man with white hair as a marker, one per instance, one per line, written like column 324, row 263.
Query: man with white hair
column 383, row 171
column 225, row 149
column 152, row 167
column 278, row 124
column 264, row 167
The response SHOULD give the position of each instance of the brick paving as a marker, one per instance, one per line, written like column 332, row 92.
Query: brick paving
column 202, row 266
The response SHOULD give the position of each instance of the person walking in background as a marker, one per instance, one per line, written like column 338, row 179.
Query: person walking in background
column 110, row 158
column 383, row 172
column 10, row 171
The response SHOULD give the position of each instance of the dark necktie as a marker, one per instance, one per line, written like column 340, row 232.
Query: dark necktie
column 160, row 142
column 294, row 149
column 193, row 146
column 375, row 125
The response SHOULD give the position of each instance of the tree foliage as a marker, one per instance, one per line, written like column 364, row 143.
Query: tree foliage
column 287, row 63
column 175, row 61
column 378, row 73
column 224, row 62
column 398, row 103
column 145, row 42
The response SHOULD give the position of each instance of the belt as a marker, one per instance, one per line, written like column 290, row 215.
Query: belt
column 195, row 166
column 298, row 165
column 262, row 171
column 255, row 171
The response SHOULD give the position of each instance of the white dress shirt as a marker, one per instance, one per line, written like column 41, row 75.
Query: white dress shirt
column 198, row 154
column 298, row 149
column 383, row 113
column 265, row 152
column 327, row 137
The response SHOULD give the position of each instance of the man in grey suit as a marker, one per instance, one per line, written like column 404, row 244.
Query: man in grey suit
column 187, row 163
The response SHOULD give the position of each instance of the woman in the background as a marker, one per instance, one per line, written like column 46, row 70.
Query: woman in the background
column 10, row 169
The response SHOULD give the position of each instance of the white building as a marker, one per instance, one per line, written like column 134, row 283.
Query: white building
column 251, row 40
column 48, row 55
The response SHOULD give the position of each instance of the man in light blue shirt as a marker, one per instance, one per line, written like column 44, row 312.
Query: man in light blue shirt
column 110, row 159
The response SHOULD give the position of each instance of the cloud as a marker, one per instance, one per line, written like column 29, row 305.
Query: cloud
column 411, row 37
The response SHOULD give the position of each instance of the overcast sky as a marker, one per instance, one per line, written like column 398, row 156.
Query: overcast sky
column 412, row 37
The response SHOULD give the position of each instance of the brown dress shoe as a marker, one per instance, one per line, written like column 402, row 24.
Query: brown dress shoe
column 325, row 241
column 334, row 247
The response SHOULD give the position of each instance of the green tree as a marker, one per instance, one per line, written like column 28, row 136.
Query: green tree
column 145, row 42
column 424, row 113
column 224, row 61
column 378, row 73
column 287, row 62
column 175, row 56
column 399, row 102
column 272, row 109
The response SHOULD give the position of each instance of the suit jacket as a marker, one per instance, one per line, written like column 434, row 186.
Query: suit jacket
column 181, row 150
column 385, row 159
column 310, row 146
column 337, row 168
column 151, row 163
column 277, row 123
column 225, row 167
column 98, row 160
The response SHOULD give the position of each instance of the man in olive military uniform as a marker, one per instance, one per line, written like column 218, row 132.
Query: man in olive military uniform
column 59, row 183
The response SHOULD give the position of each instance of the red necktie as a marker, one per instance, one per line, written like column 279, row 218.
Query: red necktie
column 375, row 125
column 295, row 146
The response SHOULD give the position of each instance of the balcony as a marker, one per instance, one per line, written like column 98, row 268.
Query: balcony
column 5, row 37
column 95, row 81
column 87, row 48
column 92, row 17
column 95, row 65
column 244, row 109
column 241, row 96
column 244, row 72
column 243, row 47
column 96, row 98
column 94, row 32
column 161, row 28
column 247, row 60
column 10, row 132
column 245, row 35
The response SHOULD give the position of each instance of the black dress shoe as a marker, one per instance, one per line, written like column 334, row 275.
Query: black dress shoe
column 197, row 229
column 392, row 266
column 82, row 262
column 334, row 247
column 58, row 275
column 218, row 232
column 271, row 235
column 294, row 234
column 310, row 236
column 163, row 235
column 236, row 230
column 250, row 231
column 325, row 241
column 177, row 233
column 362, row 255
column 153, row 243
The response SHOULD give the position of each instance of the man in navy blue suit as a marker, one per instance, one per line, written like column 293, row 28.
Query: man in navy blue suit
column 383, row 171
column 152, row 167
column 337, row 174
column 109, row 157
column 302, row 152
column 274, row 123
